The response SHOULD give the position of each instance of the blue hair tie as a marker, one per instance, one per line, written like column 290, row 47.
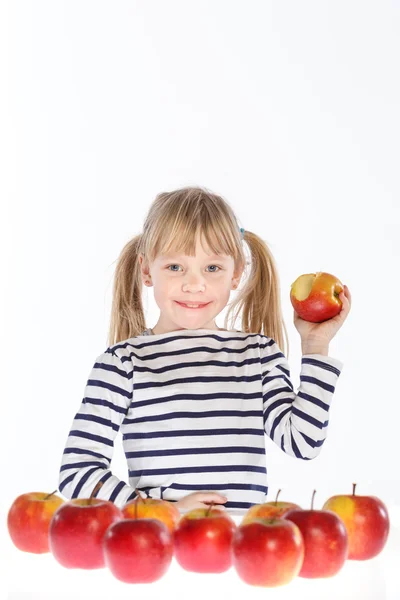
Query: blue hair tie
column 242, row 232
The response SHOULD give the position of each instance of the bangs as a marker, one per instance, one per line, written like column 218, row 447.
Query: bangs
column 182, row 238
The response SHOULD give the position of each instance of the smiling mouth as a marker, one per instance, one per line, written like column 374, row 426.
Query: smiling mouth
column 192, row 307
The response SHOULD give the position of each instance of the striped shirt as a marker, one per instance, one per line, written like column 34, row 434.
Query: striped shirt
column 193, row 407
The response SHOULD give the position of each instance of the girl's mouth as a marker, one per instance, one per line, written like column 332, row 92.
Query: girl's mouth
column 193, row 307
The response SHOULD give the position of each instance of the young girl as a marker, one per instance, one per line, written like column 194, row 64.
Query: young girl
column 193, row 400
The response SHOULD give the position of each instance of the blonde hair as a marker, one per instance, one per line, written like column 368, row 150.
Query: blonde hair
column 174, row 221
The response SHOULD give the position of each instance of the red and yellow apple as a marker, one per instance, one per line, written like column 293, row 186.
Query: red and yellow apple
column 268, row 510
column 315, row 296
column 28, row 520
column 367, row 522
column 203, row 540
column 268, row 552
column 326, row 542
column 152, row 508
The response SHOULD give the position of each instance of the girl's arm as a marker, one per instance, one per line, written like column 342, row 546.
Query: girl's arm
column 297, row 423
column 88, row 451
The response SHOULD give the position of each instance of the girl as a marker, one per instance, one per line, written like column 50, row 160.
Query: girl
column 194, row 400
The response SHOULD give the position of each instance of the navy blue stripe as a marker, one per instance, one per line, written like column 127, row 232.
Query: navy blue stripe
column 308, row 418
column 198, row 379
column 85, row 451
column 296, row 451
column 276, row 391
column 195, row 415
column 113, row 369
column 108, row 386
column 91, row 436
column 265, row 360
column 311, row 442
column 183, row 351
column 77, row 465
column 215, row 487
column 267, row 379
column 322, row 384
column 65, row 481
column 314, row 400
column 277, row 420
column 82, row 481
column 118, row 488
column 202, row 364
column 201, row 469
column 192, row 451
column 102, row 402
column 196, row 397
column 96, row 419
column 193, row 432
column 274, row 405
column 178, row 336
column 318, row 363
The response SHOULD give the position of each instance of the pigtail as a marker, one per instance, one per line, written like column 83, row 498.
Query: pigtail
column 258, row 303
column 127, row 314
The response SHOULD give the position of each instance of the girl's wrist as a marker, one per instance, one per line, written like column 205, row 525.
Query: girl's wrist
column 315, row 349
column 315, row 345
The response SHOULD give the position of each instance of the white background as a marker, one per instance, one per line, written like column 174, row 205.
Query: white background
column 288, row 110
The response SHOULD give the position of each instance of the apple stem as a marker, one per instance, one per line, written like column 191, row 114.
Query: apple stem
column 312, row 500
column 210, row 507
column 48, row 495
column 354, row 488
column 276, row 499
column 96, row 489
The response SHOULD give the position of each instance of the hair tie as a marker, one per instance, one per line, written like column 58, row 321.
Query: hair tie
column 242, row 232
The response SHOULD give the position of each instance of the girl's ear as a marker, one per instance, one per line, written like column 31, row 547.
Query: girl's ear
column 237, row 277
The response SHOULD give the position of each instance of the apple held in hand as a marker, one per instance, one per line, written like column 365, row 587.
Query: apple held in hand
column 77, row 529
column 152, row 508
column 29, row 518
column 326, row 542
column 268, row 510
column 268, row 552
column 138, row 550
column 315, row 296
column 367, row 522
column 203, row 540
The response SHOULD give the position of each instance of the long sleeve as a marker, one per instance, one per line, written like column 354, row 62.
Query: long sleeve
column 297, row 423
column 88, row 452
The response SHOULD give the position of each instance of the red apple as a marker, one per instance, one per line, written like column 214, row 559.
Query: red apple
column 77, row 529
column 315, row 296
column 138, row 550
column 152, row 508
column 367, row 522
column 268, row 552
column 326, row 542
column 267, row 510
column 29, row 518
column 203, row 540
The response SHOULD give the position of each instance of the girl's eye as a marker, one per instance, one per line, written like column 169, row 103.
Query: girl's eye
column 173, row 271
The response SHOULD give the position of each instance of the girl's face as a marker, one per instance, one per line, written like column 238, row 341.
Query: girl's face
column 181, row 278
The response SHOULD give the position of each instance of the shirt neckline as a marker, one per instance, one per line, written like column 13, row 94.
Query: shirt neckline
column 187, row 332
